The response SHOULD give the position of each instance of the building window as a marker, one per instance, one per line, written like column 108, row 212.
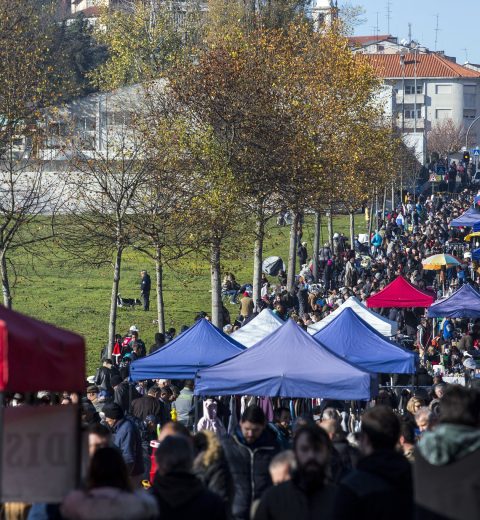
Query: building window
column 443, row 89
column 469, row 113
column 470, row 96
column 443, row 113
column 410, row 113
column 410, row 89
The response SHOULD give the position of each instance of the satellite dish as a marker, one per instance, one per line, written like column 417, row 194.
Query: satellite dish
column 404, row 42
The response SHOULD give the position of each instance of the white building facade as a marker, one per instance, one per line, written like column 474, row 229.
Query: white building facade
column 426, row 89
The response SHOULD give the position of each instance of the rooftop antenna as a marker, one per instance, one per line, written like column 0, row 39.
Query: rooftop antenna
column 409, row 32
column 466, row 55
column 377, row 30
column 389, row 14
column 436, row 32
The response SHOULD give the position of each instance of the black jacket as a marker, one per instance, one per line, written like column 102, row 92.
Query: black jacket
column 146, row 284
column 449, row 492
column 124, row 394
column 146, row 405
column 249, row 467
column 181, row 496
column 217, row 478
column 102, row 379
column 380, row 488
column 288, row 501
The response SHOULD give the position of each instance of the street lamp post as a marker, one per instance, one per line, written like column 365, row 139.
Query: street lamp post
column 468, row 130
column 415, row 93
column 402, row 64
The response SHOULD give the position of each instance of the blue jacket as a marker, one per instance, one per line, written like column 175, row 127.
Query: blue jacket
column 126, row 437
column 447, row 330
column 377, row 240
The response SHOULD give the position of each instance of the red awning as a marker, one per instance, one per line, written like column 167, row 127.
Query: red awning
column 401, row 293
column 36, row 356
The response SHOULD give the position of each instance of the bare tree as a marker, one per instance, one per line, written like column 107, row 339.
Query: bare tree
column 105, row 179
column 30, row 197
column 28, row 194
column 445, row 138
column 167, row 189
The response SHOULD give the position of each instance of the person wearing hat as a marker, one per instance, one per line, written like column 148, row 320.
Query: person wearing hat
column 127, row 339
column 302, row 253
column 246, row 305
column 92, row 396
column 126, row 437
column 145, row 287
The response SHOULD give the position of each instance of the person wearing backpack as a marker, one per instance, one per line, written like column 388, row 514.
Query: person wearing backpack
column 126, row 437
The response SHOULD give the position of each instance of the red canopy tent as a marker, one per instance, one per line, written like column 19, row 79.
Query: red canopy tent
column 36, row 356
column 401, row 293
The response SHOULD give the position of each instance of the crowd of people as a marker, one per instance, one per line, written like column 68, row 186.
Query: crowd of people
column 156, row 452
column 273, row 465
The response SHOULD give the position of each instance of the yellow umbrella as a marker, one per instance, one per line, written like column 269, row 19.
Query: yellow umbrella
column 437, row 262
column 472, row 235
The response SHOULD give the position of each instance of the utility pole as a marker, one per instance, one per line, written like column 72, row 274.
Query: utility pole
column 389, row 14
column 436, row 33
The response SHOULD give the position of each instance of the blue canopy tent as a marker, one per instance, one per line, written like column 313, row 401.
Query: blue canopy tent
column 287, row 363
column 467, row 219
column 353, row 339
column 200, row 346
column 464, row 303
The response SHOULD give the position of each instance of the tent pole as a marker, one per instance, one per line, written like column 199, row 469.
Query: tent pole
column 2, row 430
column 196, row 418
column 78, row 454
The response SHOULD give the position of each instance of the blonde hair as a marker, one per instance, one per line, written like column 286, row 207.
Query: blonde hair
column 412, row 403
column 213, row 449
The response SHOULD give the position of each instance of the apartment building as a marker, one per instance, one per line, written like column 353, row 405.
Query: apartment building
column 426, row 88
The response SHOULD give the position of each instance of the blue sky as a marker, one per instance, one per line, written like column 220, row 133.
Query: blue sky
column 457, row 21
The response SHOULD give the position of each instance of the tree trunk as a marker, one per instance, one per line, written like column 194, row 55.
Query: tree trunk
column 384, row 205
column 376, row 209
column 216, row 284
column 370, row 224
column 330, row 228
column 258, row 255
column 393, row 196
column 352, row 229
column 7, row 295
column 160, row 304
column 292, row 253
column 316, row 246
column 113, row 302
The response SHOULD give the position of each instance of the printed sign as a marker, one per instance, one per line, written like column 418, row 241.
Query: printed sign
column 38, row 456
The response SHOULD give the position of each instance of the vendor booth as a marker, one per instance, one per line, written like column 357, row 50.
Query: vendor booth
column 401, row 293
column 379, row 323
column 353, row 339
column 288, row 363
column 200, row 346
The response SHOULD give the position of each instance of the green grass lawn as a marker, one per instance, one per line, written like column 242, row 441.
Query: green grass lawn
column 50, row 288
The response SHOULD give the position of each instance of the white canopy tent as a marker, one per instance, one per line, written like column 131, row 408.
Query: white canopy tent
column 258, row 328
column 379, row 323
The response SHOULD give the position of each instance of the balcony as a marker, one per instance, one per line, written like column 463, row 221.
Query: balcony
column 409, row 123
column 410, row 99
